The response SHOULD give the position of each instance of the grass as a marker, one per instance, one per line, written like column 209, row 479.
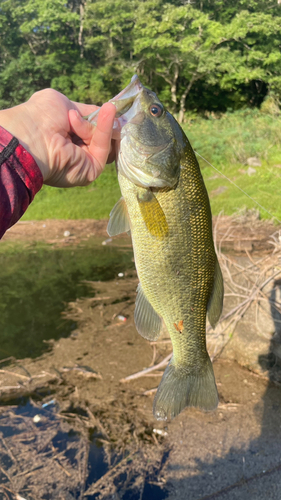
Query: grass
column 91, row 202
column 226, row 142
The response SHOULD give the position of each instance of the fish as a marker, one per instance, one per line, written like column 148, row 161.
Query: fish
column 165, row 207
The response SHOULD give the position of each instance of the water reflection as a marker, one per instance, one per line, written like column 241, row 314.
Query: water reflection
column 35, row 284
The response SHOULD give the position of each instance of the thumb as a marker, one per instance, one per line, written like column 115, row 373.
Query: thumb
column 85, row 130
column 96, row 138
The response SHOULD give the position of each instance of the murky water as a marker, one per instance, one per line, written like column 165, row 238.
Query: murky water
column 37, row 282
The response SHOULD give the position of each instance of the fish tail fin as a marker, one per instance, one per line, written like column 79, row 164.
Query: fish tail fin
column 180, row 388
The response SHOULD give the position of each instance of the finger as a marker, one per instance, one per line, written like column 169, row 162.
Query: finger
column 101, row 139
column 80, row 127
column 84, row 109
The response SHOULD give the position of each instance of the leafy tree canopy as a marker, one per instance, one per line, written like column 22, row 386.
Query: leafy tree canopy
column 200, row 55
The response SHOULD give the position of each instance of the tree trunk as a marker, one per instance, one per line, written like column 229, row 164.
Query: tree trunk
column 174, row 86
column 183, row 98
column 80, row 36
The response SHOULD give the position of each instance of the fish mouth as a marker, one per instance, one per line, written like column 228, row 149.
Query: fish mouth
column 122, row 101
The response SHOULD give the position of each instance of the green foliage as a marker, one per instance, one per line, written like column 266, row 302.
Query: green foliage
column 201, row 55
column 227, row 143
column 235, row 137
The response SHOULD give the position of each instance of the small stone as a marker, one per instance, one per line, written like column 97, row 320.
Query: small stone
column 66, row 234
column 254, row 161
column 160, row 432
column 251, row 171
column 106, row 241
column 121, row 317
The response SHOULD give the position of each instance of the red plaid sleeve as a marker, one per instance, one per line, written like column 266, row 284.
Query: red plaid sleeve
column 20, row 180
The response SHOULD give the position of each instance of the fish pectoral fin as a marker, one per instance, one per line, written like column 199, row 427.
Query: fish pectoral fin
column 119, row 221
column 153, row 215
column 147, row 320
column 215, row 303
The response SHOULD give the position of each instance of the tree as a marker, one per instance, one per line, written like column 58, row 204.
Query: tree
column 182, row 44
column 177, row 45
column 204, row 54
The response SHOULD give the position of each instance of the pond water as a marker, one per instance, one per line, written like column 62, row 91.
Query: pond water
column 36, row 283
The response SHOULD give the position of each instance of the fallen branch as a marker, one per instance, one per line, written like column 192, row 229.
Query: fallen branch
column 163, row 363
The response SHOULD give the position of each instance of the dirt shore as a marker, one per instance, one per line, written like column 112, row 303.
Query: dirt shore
column 238, row 234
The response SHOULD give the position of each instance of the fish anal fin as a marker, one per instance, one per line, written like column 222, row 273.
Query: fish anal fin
column 119, row 221
column 215, row 303
column 147, row 320
column 182, row 387
column 153, row 215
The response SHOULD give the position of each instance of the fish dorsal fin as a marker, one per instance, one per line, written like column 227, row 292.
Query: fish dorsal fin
column 216, row 300
column 119, row 221
column 148, row 322
column 153, row 215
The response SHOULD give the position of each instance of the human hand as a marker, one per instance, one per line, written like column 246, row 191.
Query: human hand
column 68, row 150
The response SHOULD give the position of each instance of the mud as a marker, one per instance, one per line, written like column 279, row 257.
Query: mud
column 243, row 232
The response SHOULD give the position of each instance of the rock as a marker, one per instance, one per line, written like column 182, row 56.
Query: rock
column 251, row 171
column 66, row 234
column 253, row 338
column 254, row 161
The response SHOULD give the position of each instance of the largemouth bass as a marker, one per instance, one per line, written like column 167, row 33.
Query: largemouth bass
column 166, row 208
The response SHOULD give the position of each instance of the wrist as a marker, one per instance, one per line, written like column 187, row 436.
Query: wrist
column 18, row 122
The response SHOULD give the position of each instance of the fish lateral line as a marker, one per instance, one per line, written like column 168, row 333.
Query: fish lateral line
column 238, row 187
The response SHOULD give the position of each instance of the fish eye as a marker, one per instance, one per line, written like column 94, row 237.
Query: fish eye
column 156, row 110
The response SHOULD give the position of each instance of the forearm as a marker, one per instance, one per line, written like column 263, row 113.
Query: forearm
column 20, row 180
